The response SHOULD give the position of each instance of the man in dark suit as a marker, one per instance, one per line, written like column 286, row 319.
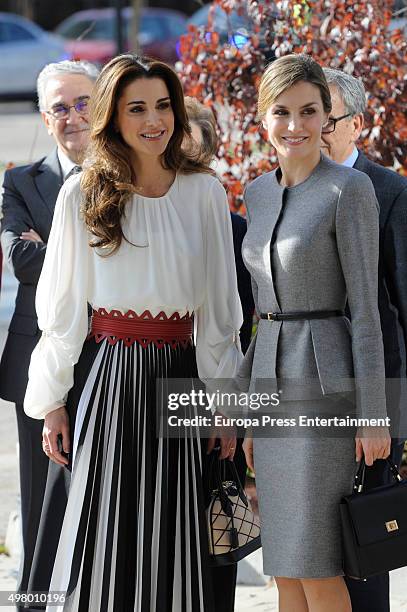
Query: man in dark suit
column 244, row 284
column 339, row 143
column 29, row 197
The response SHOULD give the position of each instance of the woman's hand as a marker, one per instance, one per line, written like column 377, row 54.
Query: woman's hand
column 227, row 437
column 56, row 423
column 372, row 443
column 248, row 453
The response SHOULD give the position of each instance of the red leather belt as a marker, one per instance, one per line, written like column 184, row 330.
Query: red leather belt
column 145, row 329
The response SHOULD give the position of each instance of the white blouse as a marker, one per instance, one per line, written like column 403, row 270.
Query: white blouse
column 183, row 262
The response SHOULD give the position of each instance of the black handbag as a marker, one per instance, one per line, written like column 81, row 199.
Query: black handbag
column 233, row 528
column 374, row 526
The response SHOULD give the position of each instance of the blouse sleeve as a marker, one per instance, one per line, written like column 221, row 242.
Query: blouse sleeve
column 61, row 304
column 357, row 235
column 219, row 318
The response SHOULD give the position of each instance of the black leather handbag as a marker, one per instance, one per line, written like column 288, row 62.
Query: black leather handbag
column 374, row 526
column 233, row 528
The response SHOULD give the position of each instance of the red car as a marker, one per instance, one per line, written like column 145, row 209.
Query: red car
column 91, row 34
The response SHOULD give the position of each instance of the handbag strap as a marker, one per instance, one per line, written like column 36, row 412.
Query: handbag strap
column 217, row 472
column 215, row 478
column 359, row 481
column 241, row 491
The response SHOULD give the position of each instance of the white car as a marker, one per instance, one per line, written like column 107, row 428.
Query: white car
column 25, row 48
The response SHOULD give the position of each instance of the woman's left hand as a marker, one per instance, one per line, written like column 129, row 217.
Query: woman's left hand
column 372, row 443
column 227, row 437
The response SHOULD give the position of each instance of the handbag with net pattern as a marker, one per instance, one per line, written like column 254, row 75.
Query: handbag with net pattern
column 233, row 528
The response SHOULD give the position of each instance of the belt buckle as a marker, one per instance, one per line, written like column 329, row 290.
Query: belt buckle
column 270, row 316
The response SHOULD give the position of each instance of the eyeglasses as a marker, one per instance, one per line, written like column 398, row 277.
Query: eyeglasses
column 62, row 111
column 330, row 125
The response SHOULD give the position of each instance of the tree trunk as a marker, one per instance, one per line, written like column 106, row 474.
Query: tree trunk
column 23, row 7
column 135, row 23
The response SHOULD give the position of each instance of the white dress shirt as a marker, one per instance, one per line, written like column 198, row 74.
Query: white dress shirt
column 351, row 160
column 67, row 164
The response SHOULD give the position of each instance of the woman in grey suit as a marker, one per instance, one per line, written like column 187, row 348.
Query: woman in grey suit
column 311, row 246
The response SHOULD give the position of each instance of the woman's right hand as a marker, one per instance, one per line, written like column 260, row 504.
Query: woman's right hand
column 56, row 423
column 248, row 452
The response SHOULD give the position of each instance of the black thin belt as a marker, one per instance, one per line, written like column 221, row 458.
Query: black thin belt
column 301, row 316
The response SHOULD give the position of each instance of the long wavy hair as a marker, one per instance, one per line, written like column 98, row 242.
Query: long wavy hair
column 108, row 178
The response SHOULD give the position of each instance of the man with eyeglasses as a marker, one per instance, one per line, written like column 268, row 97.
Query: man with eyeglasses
column 339, row 139
column 29, row 197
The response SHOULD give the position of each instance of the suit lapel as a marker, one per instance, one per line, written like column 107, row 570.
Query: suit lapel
column 269, row 204
column 273, row 207
column 49, row 180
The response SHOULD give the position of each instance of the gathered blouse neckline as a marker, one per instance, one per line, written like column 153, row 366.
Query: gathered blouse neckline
column 166, row 195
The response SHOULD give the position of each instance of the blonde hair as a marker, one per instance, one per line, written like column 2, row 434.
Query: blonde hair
column 285, row 72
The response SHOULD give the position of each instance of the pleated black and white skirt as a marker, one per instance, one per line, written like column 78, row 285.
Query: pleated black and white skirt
column 134, row 534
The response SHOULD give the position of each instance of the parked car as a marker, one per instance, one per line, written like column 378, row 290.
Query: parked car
column 25, row 48
column 91, row 34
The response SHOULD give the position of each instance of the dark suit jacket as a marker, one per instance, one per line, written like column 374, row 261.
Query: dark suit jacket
column 391, row 193
column 30, row 193
column 243, row 281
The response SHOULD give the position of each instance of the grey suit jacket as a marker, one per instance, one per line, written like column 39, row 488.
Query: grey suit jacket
column 29, row 197
column 313, row 247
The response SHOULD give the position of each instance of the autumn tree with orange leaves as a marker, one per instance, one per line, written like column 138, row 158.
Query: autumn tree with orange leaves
column 352, row 36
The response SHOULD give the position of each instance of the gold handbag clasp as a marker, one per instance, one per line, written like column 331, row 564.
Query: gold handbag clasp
column 391, row 526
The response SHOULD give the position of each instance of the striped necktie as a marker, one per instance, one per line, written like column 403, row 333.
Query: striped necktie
column 74, row 170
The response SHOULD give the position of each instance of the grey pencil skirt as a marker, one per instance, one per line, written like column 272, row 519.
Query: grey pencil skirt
column 301, row 476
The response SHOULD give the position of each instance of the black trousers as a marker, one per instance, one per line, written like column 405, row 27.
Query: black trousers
column 33, row 476
column 373, row 595
column 55, row 496
column 49, row 528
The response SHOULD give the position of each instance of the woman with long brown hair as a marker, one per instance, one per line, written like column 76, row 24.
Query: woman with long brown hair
column 144, row 237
